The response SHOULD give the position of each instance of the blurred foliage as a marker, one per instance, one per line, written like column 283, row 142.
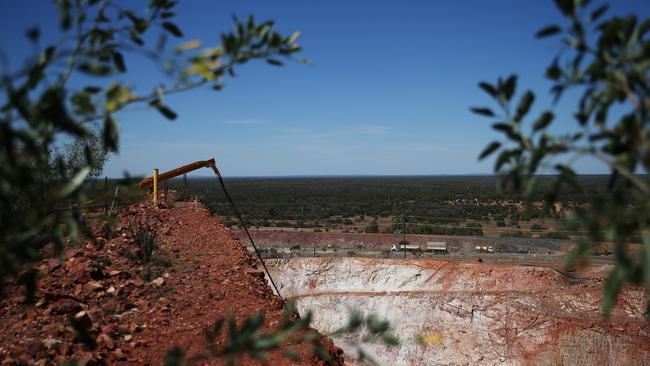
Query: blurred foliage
column 361, row 330
column 606, row 62
column 40, row 108
column 229, row 341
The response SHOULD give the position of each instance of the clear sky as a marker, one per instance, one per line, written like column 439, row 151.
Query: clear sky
column 389, row 91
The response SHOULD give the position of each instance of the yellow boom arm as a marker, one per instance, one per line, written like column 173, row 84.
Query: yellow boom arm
column 149, row 181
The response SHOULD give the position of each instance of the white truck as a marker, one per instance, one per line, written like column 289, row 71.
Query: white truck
column 432, row 246
column 407, row 247
column 484, row 249
column 437, row 246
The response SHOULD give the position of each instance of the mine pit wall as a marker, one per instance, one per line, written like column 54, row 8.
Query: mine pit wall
column 449, row 313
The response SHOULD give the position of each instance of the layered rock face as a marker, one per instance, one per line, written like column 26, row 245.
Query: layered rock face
column 453, row 313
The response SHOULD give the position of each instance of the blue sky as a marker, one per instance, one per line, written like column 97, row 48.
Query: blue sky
column 389, row 91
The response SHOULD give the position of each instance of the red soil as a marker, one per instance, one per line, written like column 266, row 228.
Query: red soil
column 201, row 273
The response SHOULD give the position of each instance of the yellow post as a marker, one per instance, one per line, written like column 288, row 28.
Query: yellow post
column 155, row 186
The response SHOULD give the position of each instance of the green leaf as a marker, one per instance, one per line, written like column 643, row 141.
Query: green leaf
column 503, row 127
column 536, row 158
column 390, row 340
column 140, row 24
column 376, row 325
column 489, row 150
column 29, row 279
column 293, row 37
column 189, row 45
column 75, row 182
column 482, row 111
column 548, row 31
column 502, row 159
column 110, row 133
column 320, row 352
column 273, row 62
column 569, row 176
column 554, row 72
column 489, row 88
column 254, row 322
column 94, row 69
column 544, row 120
column 524, row 105
column 509, row 87
column 292, row 355
column 646, row 260
column 268, row 342
column 65, row 13
column 258, row 354
column 52, row 106
column 612, row 287
column 567, row 7
column 46, row 56
column 174, row 357
column 355, row 320
column 34, row 34
column 135, row 39
column 82, row 104
column 311, row 337
column 172, row 28
column 118, row 60
column 216, row 329
column 166, row 111
column 83, row 333
column 598, row 12
column 531, row 188
column 644, row 27
column 92, row 89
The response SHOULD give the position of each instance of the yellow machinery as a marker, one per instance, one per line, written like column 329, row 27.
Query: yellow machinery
column 154, row 180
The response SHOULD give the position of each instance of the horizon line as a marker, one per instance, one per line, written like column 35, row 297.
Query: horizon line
column 359, row 176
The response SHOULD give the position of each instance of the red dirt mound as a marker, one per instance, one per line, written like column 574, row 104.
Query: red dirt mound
column 135, row 313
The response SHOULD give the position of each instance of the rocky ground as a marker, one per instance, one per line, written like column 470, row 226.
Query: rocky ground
column 134, row 312
column 454, row 313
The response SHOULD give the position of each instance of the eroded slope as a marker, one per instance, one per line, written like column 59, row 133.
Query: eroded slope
column 471, row 313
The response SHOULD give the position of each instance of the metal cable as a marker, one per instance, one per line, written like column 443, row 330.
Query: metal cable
column 241, row 221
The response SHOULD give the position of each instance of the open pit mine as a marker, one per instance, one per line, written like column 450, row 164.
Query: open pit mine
column 463, row 313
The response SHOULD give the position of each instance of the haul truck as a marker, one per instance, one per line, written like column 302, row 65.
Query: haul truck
column 432, row 246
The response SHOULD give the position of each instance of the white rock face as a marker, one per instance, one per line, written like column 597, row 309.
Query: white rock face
column 451, row 313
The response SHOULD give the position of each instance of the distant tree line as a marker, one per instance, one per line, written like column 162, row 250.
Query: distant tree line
column 443, row 200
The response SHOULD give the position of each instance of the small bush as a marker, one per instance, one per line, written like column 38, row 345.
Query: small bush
column 372, row 228
column 555, row 235
column 515, row 234
column 106, row 231
column 144, row 237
